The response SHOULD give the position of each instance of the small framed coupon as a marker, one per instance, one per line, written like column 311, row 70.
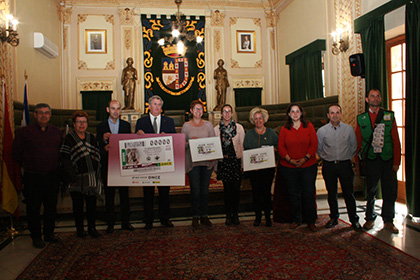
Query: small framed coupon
column 205, row 149
column 259, row 158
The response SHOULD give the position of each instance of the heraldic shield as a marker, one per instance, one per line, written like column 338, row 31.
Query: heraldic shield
column 175, row 72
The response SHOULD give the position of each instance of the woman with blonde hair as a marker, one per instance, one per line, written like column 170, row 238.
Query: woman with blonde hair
column 262, row 179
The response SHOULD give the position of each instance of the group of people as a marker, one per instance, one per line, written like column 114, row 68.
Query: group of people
column 81, row 160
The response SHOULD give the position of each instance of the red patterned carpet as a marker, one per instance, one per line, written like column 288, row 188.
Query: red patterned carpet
column 221, row 252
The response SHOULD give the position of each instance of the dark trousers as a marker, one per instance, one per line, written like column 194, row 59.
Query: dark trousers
column 376, row 170
column 261, row 182
column 301, row 186
column 164, row 204
column 78, row 200
column 110, row 204
column 342, row 171
column 41, row 189
column 231, row 190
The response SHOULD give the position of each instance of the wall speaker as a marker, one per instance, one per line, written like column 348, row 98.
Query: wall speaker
column 357, row 65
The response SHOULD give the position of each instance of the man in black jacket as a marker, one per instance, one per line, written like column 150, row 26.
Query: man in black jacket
column 156, row 123
column 113, row 125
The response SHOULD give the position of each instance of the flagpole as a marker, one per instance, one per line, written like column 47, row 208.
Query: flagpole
column 12, row 232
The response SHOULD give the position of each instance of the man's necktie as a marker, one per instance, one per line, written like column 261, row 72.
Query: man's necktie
column 155, row 125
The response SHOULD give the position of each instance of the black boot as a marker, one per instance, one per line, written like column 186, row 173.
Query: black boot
column 257, row 221
column 93, row 232
column 229, row 220
column 235, row 219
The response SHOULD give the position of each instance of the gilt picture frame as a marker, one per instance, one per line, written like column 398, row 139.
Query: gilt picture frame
column 245, row 41
column 95, row 41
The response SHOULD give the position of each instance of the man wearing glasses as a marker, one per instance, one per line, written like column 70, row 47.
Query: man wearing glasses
column 35, row 149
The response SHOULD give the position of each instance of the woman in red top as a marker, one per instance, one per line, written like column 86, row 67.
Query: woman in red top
column 297, row 147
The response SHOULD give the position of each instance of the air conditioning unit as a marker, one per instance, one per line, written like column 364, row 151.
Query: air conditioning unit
column 44, row 45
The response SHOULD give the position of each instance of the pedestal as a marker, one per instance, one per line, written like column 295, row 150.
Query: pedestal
column 215, row 117
column 131, row 117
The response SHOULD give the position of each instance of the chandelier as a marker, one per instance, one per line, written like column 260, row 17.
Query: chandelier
column 180, row 32
column 8, row 30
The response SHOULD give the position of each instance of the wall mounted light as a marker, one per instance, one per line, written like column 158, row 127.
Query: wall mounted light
column 340, row 41
column 8, row 27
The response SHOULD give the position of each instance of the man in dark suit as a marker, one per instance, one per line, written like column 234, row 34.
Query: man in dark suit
column 156, row 123
column 113, row 125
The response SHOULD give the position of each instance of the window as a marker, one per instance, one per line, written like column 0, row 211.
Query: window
column 395, row 49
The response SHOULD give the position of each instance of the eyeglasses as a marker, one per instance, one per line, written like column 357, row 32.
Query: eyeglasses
column 198, row 109
column 80, row 122
column 227, row 112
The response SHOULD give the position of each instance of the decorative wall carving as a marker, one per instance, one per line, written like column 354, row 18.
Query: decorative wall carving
column 257, row 21
column 234, row 63
column 81, row 18
column 247, row 83
column 217, row 18
column 65, row 31
column 270, row 18
column 127, row 39
column 258, row 64
column 233, row 20
column 82, row 65
column 110, row 19
column 66, row 15
column 110, row 65
column 272, row 40
column 126, row 16
column 96, row 85
column 217, row 40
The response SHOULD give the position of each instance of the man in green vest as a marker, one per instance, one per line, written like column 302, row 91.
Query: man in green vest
column 378, row 140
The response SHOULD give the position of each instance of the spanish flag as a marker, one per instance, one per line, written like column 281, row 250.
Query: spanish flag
column 11, row 177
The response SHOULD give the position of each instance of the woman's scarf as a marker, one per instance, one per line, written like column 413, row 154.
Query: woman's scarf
column 227, row 132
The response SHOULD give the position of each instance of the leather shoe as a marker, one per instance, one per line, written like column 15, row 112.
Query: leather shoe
column 93, row 233
column 331, row 223
column 294, row 225
column 391, row 227
column 369, row 225
column 356, row 226
column 110, row 229
column 81, row 234
column 229, row 221
column 127, row 226
column 38, row 243
column 205, row 221
column 195, row 223
column 167, row 224
column 51, row 238
column 268, row 223
column 148, row 226
column 235, row 220
column 257, row 222
column 312, row 227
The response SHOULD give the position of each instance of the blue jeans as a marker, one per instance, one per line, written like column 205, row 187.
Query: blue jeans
column 199, row 178
column 301, row 185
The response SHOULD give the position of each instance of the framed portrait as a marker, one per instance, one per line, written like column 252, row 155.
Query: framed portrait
column 95, row 40
column 245, row 41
